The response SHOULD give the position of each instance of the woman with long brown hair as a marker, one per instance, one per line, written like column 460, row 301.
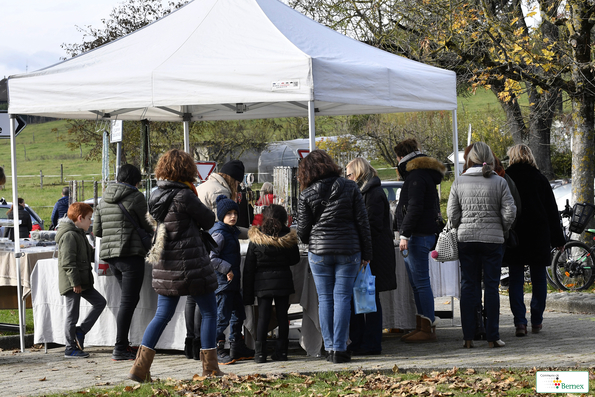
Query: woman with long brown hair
column 333, row 221
column 181, row 263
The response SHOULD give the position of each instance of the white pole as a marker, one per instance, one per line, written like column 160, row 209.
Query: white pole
column 469, row 135
column 311, row 126
column 455, row 142
column 118, row 158
column 187, row 136
column 17, row 244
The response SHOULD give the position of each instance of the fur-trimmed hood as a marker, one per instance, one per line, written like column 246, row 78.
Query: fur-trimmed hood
column 259, row 238
column 425, row 162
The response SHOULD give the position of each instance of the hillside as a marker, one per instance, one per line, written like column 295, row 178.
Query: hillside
column 42, row 147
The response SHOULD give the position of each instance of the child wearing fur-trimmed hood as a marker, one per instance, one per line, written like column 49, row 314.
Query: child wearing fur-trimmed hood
column 267, row 276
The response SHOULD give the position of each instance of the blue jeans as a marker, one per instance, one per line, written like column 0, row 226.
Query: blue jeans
column 166, row 307
column 418, row 271
column 334, row 276
column 475, row 257
column 230, row 312
column 538, row 297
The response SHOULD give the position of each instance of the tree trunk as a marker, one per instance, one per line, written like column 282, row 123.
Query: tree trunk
column 583, row 99
column 514, row 117
column 542, row 110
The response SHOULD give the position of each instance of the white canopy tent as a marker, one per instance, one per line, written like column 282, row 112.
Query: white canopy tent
column 231, row 60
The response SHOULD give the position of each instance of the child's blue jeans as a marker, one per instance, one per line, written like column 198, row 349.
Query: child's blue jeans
column 230, row 312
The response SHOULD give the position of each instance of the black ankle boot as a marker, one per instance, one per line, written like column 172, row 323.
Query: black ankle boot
column 188, row 348
column 280, row 353
column 196, row 348
column 260, row 353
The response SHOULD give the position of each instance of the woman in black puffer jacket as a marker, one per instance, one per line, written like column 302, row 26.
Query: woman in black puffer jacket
column 267, row 275
column 415, row 220
column 333, row 221
column 365, row 331
column 181, row 263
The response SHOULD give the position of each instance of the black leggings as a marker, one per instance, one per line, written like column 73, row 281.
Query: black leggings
column 265, row 309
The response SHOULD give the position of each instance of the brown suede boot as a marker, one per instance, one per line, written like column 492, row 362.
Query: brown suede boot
column 426, row 334
column 141, row 369
column 210, row 365
column 415, row 331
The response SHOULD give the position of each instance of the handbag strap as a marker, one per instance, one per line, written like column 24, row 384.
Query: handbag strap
column 130, row 218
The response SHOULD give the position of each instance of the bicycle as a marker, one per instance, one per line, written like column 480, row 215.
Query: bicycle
column 572, row 268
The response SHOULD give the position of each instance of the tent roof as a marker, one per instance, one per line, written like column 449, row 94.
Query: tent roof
column 231, row 59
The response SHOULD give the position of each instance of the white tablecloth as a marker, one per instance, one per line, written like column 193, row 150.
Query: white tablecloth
column 398, row 306
column 49, row 310
column 49, row 306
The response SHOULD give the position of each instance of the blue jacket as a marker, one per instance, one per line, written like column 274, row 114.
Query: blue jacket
column 60, row 209
column 226, row 256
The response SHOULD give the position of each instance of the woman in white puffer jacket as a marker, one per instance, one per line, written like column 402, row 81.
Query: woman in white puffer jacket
column 481, row 207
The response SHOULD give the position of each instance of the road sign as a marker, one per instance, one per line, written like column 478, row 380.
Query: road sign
column 5, row 125
column 303, row 153
column 205, row 168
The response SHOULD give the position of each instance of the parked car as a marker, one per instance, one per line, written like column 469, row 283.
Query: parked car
column 5, row 206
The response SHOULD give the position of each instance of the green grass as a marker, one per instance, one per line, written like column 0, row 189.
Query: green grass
column 40, row 148
column 12, row 317
column 454, row 382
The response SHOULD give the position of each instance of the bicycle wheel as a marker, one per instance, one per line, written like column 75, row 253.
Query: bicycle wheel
column 572, row 268
column 549, row 273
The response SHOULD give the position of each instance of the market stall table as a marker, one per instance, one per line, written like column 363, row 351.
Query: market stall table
column 8, row 274
column 49, row 309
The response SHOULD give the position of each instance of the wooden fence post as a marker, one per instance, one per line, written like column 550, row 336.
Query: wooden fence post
column 40, row 179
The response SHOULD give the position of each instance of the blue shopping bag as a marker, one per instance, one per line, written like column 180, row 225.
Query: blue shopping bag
column 364, row 291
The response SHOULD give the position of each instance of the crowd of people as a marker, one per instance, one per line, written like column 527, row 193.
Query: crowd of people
column 347, row 225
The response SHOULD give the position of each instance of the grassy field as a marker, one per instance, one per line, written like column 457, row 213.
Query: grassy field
column 42, row 147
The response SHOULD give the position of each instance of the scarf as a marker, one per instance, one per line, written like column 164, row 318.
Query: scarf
column 191, row 186
column 364, row 179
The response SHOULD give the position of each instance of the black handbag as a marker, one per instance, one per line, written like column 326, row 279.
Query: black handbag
column 513, row 239
column 145, row 238
column 208, row 240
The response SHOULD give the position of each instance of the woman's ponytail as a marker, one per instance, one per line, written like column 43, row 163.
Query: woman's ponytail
column 481, row 154
column 486, row 170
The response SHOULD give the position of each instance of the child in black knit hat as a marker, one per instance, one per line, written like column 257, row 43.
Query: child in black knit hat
column 226, row 259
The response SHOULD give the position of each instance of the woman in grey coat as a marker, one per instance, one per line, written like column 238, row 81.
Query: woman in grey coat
column 481, row 207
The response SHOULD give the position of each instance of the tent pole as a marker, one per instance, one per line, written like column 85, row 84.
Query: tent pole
column 187, row 136
column 311, row 126
column 118, row 158
column 15, row 226
column 455, row 142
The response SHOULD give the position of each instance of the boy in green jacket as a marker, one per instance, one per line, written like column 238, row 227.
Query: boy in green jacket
column 75, row 278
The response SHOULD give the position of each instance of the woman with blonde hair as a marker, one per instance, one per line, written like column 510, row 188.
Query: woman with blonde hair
column 365, row 330
column 538, row 228
column 481, row 207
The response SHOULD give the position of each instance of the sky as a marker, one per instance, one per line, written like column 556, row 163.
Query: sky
column 31, row 31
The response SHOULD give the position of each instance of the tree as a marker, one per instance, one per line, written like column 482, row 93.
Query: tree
column 490, row 44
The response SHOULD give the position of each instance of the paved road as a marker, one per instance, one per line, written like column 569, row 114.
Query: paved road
column 567, row 341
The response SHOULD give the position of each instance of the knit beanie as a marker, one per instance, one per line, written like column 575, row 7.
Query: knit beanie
column 235, row 169
column 224, row 205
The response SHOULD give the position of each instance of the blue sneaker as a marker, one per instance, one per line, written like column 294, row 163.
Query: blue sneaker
column 75, row 353
column 80, row 338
